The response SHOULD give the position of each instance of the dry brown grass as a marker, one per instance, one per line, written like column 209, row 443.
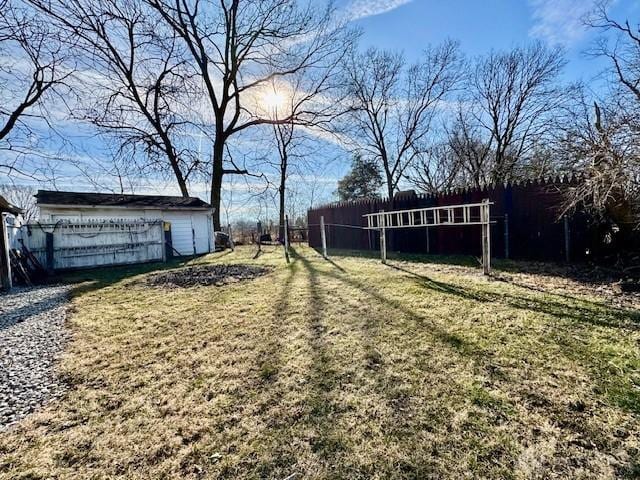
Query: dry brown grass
column 342, row 369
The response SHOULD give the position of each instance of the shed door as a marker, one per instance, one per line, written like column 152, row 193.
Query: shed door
column 181, row 232
column 201, row 230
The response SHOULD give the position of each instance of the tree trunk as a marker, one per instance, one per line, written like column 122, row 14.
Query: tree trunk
column 281, row 194
column 179, row 177
column 390, row 194
column 217, row 173
column 391, row 231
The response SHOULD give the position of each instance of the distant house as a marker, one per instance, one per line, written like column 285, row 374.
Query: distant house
column 190, row 218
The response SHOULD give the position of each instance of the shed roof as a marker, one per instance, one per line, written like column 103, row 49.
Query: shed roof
column 49, row 197
column 5, row 206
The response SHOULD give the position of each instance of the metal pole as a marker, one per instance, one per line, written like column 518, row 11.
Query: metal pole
column 506, row 235
column 567, row 239
column 383, row 238
column 259, row 228
column 324, row 237
column 230, row 237
column 286, row 237
column 486, row 237
column 488, row 217
column 428, row 244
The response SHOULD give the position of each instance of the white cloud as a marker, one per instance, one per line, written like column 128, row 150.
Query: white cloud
column 357, row 9
column 559, row 22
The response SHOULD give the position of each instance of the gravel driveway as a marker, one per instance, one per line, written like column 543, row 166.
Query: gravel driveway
column 32, row 334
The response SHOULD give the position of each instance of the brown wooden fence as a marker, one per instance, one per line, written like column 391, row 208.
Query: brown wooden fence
column 527, row 225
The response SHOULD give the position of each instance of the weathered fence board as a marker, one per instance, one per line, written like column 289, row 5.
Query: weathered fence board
column 93, row 244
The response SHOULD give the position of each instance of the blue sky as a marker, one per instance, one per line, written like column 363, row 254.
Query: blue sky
column 482, row 25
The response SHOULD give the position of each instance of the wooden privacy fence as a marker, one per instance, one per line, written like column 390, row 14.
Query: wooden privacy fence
column 69, row 245
column 526, row 223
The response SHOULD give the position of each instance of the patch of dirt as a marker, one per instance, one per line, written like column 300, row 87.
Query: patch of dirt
column 217, row 275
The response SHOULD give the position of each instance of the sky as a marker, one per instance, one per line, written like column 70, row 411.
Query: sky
column 411, row 25
column 483, row 25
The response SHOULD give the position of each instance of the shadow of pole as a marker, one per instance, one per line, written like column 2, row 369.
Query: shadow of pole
column 324, row 378
column 269, row 352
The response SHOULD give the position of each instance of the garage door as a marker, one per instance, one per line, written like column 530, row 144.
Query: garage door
column 181, row 232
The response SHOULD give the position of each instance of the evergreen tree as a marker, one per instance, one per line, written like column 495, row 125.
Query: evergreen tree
column 363, row 181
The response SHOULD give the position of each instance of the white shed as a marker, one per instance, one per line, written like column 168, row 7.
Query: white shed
column 191, row 219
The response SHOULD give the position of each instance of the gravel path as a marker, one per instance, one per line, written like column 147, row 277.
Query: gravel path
column 32, row 334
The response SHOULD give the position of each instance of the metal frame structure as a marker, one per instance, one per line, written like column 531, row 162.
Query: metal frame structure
column 449, row 215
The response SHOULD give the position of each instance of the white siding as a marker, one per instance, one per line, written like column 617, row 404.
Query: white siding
column 200, row 223
column 181, row 232
column 187, row 226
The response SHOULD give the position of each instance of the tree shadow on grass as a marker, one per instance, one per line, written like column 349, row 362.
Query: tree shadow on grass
column 582, row 313
column 395, row 391
column 558, row 305
column 335, row 265
column 579, row 312
column 324, row 377
column 587, row 274
column 453, row 340
column 453, row 260
column 268, row 357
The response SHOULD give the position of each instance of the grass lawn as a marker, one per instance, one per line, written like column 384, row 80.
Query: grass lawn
column 341, row 369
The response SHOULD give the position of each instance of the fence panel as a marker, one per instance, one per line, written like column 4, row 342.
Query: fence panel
column 95, row 243
column 535, row 229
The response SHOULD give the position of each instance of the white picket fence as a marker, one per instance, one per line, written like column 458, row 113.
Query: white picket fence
column 92, row 243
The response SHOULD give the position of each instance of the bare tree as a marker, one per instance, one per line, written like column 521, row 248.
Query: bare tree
column 31, row 70
column 303, row 104
column 436, row 170
column 604, row 149
column 600, row 138
column 288, row 144
column 393, row 105
column 472, row 154
column 238, row 48
column 459, row 157
column 136, row 85
column 21, row 196
column 512, row 97
column 622, row 50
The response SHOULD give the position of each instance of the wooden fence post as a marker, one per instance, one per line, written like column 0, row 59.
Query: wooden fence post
column 286, row 237
column 383, row 238
column 323, row 235
column 486, row 237
column 6, row 281
column 49, row 251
